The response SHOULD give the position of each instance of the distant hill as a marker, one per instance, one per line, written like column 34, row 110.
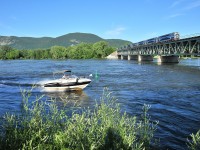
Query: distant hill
column 64, row 40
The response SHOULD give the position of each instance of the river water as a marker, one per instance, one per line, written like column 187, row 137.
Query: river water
column 172, row 90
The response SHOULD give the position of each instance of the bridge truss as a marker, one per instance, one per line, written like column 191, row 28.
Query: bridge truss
column 187, row 46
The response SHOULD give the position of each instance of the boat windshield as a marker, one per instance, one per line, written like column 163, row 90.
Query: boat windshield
column 63, row 72
column 73, row 76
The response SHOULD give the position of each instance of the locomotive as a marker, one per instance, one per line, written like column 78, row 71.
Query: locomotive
column 164, row 38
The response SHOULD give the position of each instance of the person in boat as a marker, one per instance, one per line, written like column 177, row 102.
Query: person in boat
column 65, row 76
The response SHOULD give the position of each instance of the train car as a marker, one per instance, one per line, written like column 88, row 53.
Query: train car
column 164, row 38
column 133, row 45
column 169, row 37
column 153, row 40
column 141, row 43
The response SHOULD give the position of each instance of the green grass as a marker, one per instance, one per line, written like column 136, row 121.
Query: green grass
column 194, row 143
column 42, row 125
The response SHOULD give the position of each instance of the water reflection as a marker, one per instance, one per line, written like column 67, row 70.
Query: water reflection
column 75, row 98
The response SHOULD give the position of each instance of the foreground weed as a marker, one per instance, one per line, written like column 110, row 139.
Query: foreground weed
column 106, row 128
column 42, row 125
column 194, row 144
column 146, row 127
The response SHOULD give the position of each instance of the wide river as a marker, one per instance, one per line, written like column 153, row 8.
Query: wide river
column 172, row 90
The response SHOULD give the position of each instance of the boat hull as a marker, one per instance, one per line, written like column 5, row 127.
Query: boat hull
column 65, row 88
column 63, row 85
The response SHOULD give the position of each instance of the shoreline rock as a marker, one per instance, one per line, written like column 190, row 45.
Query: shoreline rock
column 112, row 55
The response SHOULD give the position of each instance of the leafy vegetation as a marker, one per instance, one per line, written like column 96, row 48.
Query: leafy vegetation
column 42, row 125
column 99, row 49
column 65, row 40
column 194, row 144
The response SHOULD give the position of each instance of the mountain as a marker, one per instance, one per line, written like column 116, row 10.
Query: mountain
column 64, row 40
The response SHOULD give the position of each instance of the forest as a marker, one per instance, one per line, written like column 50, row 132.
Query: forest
column 99, row 49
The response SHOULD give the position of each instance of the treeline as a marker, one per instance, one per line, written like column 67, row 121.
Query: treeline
column 81, row 51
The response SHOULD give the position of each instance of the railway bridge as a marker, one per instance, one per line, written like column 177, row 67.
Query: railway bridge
column 168, row 51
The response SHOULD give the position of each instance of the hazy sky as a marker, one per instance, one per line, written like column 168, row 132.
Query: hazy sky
column 132, row 20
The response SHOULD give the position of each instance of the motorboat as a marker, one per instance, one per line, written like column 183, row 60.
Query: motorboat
column 67, row 82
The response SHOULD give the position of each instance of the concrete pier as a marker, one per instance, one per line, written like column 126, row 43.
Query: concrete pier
column 145, row 58
column 119, row 56
column 132, row 57
column 124, row 57
column 168, row 59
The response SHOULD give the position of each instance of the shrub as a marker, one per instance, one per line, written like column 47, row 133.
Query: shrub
column 42, row 125
column 195, row 143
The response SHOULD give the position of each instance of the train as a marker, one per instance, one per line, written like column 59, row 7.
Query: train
column 164, row 38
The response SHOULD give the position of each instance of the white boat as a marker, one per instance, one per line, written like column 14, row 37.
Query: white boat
column 68, row 82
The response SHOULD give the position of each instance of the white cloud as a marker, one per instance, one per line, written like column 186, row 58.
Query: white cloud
column 189, row 4
column 182, row 7
column 172, row 16
column 175, row 3
column 116, row 31
column 193, row 5
column 175, row 15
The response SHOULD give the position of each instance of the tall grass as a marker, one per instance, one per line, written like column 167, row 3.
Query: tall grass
column 42, row 125
column 194, row 144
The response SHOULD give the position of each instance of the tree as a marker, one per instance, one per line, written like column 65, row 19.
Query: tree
column 73, row 52
column 81, row 51
column 110, row 50
column 58, row 52
column 100, row 49
column 46, row 54
column 2, row 54
column 4, row 50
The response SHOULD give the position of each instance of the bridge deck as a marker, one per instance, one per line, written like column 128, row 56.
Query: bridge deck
column 186, row 46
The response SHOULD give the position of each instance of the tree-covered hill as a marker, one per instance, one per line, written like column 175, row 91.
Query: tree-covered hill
column 64, row 40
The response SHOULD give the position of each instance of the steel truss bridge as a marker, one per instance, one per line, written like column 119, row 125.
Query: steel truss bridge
column 184, row 46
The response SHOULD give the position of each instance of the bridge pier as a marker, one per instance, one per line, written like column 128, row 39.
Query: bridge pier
column 145, row 58
column 168, row 59
column 119, row 56
column 132, row 57
column 124, row 57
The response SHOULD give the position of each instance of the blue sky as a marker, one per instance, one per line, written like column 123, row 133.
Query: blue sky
column 132, row 20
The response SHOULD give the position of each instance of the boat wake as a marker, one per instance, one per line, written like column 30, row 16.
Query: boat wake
column 17, row 84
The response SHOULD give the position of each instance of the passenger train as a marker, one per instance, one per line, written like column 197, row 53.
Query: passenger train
column 164, row 38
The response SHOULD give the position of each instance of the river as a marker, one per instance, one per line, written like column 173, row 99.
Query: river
column 172, row 90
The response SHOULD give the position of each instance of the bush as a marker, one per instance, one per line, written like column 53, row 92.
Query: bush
column 42, row 125
column 195, row 143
